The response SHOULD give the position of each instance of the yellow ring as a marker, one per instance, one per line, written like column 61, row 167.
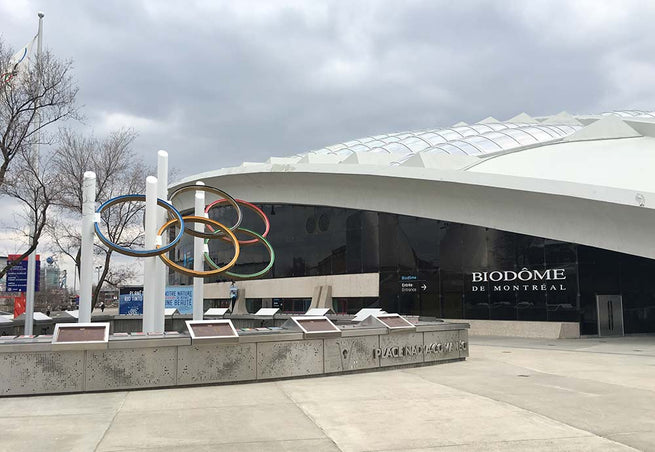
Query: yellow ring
column 194, row 273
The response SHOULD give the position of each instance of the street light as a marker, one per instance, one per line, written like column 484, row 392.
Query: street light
column 98, row 268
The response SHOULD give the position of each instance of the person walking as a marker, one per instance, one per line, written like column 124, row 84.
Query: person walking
column 102, row 306
column 234, row 293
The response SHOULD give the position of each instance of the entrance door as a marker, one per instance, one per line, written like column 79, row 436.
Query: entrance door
column 610, row 315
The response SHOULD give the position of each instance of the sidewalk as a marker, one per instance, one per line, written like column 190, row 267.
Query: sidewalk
column 511, row 394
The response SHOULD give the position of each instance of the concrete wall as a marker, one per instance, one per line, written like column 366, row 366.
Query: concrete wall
column 354, row 285
column 39, row 368
column 512, row 328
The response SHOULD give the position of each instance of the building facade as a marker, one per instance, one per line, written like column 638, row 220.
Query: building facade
column 530, row 219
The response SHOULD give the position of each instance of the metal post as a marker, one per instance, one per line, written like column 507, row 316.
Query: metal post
column 149, row 266
column 28, row 329
column 198, row 260
column 161, row 271
column 86, row 252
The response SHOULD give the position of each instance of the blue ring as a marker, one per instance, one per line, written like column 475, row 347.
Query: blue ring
column 139, row 253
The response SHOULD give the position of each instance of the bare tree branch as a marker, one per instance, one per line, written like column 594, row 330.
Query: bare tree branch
column 118, row 172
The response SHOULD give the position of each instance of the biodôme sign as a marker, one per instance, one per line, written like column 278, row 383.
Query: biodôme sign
column 522, row 280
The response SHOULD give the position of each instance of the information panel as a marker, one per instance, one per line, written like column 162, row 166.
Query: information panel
column 17, row 275
column 180, row 298
column 130, row 300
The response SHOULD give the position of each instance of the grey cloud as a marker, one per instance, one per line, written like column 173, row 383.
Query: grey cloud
column 233, row 86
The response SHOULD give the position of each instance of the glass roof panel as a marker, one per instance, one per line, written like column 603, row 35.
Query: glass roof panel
column 482, row 128
column 503, row 140
column 553, row 133
column 445, row 148
column 464, row 131
column 486, row 144
column 375, row 143
column 521, row 136
column 537, row 133
column 360, row 148
column 433, row 138
column 416, row 144
column 466, row 148
column 469, row 140
column 397, row 148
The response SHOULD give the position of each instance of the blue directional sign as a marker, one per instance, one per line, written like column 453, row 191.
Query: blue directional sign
column 17, row 275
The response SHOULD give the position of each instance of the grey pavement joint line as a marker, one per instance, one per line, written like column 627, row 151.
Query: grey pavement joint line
column 308, row 416
column 503, row 402
column 112, row 420
column 219, row 445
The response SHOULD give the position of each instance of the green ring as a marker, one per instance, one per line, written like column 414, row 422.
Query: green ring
column 266, row 269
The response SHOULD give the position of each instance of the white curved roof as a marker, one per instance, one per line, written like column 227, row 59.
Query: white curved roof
column 573, row 178
column 485, row 137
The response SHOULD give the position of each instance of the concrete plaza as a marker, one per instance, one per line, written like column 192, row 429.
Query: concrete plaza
column 511, row 394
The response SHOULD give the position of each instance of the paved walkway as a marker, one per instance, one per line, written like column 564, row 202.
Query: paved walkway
column 510, row 395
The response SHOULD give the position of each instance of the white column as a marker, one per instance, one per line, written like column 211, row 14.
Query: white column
column 30, row 289
column 86, row 251
column 161, row 269
column 198, row 260
column 149, row 266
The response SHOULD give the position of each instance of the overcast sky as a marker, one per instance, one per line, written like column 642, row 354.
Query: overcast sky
column 217, row 83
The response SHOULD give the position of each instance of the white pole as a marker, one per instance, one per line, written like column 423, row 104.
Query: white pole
column 30, row 289
column 28, row 329
column 198, row 260
column 161, row 271
column 86, row 252
column 149, row 266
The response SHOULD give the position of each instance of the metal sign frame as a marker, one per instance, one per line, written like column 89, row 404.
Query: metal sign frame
column 211, row 312
column 300, row 322
column 366, row 312
column 78, row 326
column 267, row 312
column 319, row 311
column 379, row 321
column 234, row 337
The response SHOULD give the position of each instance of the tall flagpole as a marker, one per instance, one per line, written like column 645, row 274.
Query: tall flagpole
column 28, row 329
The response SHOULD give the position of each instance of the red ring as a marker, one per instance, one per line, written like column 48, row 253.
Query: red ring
column 257, row 210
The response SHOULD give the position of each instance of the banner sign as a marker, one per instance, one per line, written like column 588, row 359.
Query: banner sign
column 130, row 300
column 19, row 305
column 180, row 298
column 17, row 275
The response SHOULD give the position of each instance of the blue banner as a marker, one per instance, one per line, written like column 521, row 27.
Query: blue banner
column 130, row 301
column 17, row 275
column 180, row 298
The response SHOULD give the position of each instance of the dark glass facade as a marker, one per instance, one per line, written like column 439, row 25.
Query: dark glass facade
column 444, row 269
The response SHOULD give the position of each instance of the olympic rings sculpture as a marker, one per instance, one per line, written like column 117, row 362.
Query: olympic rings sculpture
column 216, row 231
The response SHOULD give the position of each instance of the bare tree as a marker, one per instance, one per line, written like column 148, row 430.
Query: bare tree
column 118, row 172
column 37, row 189
column 43, row 94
